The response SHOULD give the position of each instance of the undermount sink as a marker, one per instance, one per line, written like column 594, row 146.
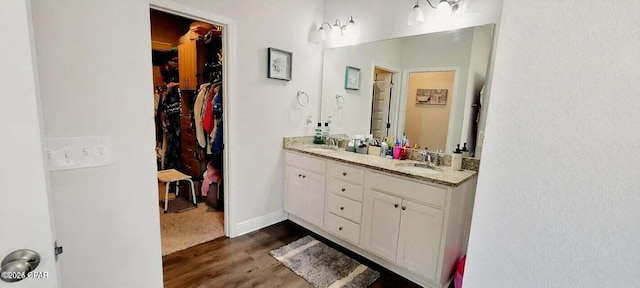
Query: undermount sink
column 418, row 167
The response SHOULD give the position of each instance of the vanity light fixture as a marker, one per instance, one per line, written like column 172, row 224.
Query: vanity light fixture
column 444, row 9
column 336, row 30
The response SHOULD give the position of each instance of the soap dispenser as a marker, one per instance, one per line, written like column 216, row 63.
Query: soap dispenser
column 465, row 151
column 456, row 159
column 326, row 133
column 317, row 139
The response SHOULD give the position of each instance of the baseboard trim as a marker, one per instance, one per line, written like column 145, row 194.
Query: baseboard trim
column 257, row 223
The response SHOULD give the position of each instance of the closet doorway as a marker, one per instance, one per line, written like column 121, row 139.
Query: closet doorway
column 189, row 81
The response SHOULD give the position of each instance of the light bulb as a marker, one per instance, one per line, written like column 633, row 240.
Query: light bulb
column 321, row 35
column 443, row 11
column 336, row 31
column 416, row 16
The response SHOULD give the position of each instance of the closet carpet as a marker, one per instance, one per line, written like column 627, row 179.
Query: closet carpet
column 186, row 229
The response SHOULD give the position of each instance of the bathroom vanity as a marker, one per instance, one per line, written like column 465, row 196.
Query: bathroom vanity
column 413, row 221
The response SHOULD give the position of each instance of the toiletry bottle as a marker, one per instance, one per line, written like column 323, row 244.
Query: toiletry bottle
column 464, row 150
column 318, row 136
column 326, row 133
column 397, row 149
column 456, row 159
column 384, row 148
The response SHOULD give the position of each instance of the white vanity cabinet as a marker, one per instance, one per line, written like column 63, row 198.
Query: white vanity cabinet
column 420, row 227
column 344, row 201
column 415, row 228
column 305, row 187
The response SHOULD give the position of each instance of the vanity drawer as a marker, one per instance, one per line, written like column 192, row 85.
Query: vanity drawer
column 307, row 163
column 346, row 173
column 345, row 189
column 345, row 208
column 405, row 188
column 342, row 228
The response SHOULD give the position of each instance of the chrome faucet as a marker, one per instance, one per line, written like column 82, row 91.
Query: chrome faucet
column 332, row 142
column 430, row 158
column 433, row 159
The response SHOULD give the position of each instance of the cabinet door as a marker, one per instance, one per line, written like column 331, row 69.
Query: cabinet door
column 187, row 65
column 314, row 198
column 294, row 191
column 382, row 224
column 419, row 240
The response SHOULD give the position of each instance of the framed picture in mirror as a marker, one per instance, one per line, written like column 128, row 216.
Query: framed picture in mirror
column 431, row 96
column 279, row 62
column 352, row 78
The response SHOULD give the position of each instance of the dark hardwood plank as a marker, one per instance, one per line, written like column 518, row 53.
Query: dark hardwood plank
column 245, row 262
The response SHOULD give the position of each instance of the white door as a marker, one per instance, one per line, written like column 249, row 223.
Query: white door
column 24, row 209
column 314, row 198
column 294, row 193
column 380, row 103
column 419, row 241
column 383, row 222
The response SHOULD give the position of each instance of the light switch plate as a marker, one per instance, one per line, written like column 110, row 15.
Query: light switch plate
column 78, row 152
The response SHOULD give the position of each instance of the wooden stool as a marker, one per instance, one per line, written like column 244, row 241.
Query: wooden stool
column 173, row 175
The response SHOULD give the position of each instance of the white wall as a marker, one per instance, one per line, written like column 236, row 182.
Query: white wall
column 383, row 19
column 557, row 202
column 262, row 109
column 95, row 73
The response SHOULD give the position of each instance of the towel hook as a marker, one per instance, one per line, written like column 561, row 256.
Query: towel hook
column 303, row 101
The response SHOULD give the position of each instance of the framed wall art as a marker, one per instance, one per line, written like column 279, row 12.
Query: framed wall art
column 352, row 78
column 431, row 96
column 279, row 62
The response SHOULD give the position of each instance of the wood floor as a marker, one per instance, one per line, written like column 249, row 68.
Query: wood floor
column 245, row 262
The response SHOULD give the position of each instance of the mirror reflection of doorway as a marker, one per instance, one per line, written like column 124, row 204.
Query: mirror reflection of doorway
column 428, row 108
column 383, row 88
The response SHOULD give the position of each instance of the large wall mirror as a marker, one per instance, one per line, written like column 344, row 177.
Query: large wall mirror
column 429, row 87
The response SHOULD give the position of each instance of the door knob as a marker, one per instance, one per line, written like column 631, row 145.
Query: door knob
column 18, row 264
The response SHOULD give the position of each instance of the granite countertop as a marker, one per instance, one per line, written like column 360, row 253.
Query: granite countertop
column 446, row 176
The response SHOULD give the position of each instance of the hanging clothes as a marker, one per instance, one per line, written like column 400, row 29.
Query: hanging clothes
column 171, row 126
column 207, row 113
column 217, row 114
column 197, row 115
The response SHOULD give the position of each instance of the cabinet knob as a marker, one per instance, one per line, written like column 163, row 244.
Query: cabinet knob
column 404, row 208
column 304, row 176
column 343, row 189
column 341, row 208
column 396, row 205
column 188, row 166
column 344, row 173
column 340, row 228
column 299, row 175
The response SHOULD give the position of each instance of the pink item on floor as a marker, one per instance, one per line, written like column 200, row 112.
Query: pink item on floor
column 460, row 272
column 210, row 176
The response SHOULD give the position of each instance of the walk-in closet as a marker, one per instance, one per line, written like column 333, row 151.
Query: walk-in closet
column 187, row 57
